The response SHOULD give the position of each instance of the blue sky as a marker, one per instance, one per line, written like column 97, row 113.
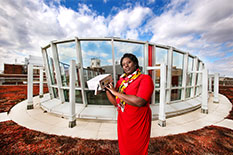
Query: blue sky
column 203, row 28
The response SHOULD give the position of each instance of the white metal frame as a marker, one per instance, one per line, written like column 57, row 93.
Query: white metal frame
column 72, row 114
column 162, row 98
column 30, row 87
column 184, row 77
column 80, row 68
column 58, row 72
column 169, row 74
column 216, row 87
column 165, row 85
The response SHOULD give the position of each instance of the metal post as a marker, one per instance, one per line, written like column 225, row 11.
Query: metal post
column 204, row 105
column 169, row 74
column 41, row 82
column 80, row 64
column 30, row 87
column 200, row 79
column 145, row 58
column 58, row 72
column 113, row 62
column 153, row 74
column 210, row 84
column 194, row 77
column 72, row 115
column 216, row 87
column 184, row 77
column 87, row 74
column 162, row 115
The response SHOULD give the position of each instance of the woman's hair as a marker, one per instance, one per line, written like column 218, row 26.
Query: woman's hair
column 132, row 58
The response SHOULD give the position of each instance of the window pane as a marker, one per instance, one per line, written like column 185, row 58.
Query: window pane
column 97, row 59
column 51, row 66
column 160, row 57
column 157, row 94
column 175, row 94
column 190, row 68
column 188, row 92
column 100, row 99
column 66, row 53
column 196, row 93
column 177, row 69
column 197, row 75
column 55, row 91
column 78, row 96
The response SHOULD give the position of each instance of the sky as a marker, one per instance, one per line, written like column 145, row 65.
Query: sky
column 203, row 28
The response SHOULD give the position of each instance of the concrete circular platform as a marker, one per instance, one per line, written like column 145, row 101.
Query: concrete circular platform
column 37, row 119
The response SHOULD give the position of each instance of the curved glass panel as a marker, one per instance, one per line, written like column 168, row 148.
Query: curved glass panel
column 189, row 77
column 177, row 69
column 188, row 92
column 66, row 53
column 51, row 71
column 51, row 66
column 97, row 59
column 177, row 73
column 198, row 68
column 160, row 57
column 175, row 94
column 157, row 95
column 198, row 78
column 190, row 68
column 78, row 96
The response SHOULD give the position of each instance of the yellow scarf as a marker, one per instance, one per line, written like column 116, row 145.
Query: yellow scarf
column 124, row 84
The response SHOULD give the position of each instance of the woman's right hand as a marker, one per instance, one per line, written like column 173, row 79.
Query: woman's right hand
column 109, row 92
column 110, row 88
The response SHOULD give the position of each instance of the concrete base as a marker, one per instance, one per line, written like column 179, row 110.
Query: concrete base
column 204, row 111
column 72, row 124
column 102, row 130
column 30, row 107
column 162, row 123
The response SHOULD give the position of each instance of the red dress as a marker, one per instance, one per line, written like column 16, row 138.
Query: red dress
column 134, row 123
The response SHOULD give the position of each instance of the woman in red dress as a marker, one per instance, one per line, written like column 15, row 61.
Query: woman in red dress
column 132, row 96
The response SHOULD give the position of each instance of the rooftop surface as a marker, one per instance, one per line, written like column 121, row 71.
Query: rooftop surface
column 37, row 119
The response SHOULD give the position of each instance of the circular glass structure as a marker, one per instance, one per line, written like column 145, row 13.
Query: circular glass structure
column 96, row 56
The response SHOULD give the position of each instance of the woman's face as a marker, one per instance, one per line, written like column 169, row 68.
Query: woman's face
column 128, row 66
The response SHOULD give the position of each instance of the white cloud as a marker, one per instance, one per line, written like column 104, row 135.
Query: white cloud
column 126, row 47
column 28, row 25
column 19, row 22
column 128, row 19
column 200, row 27
column 194, row 18
column 223, row 66
column 83, row 23
column 151, row 1
column 132, row 34
column 103, row 55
